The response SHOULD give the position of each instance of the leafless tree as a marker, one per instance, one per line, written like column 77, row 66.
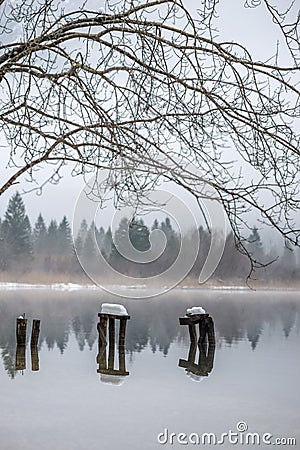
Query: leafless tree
column 147, row 90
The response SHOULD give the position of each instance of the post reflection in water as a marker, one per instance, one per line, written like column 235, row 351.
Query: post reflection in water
column 205, row 361
column 20, row 358
column 106, row 369
column 35, row 363
column 206, row 345
column 20, row 361
column 21, row 330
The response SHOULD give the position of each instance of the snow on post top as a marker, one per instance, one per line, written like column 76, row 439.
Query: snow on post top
column 195, row 310
column 113, row 308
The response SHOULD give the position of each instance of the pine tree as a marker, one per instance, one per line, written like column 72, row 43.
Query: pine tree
column 52, row 235
column 4, row 249
column 39, row 235
column 80, row 238
column 100, row 238
column 173, row 242
column 139, row 235
column 255, row 246
column 167, row 228
column 89, row 248
column 64, row 237
column 16, row 231
column 155, row 225
column 107, row 243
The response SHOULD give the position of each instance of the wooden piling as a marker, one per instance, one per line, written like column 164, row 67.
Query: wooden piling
column 122, row 363
column 102, row 330
column 101, row 357
column 211, row 331
column 35, row 332
column 111, row 354
column 206, row 327
column 20, row 363
column 192, row 351
column 202, row 330
column 35, row 364
column 122, row 332
column 21, row 327
column 193, row 333
column 107, row 367
column 205, row 361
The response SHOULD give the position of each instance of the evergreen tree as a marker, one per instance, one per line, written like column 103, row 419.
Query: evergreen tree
column 4, row 250
column 52, row 237
column 288, row 265
column 255, row 246
column 16, row 231
column 167, row 228
column 120, row 238
column 80, row 238
column 139, row 235
column 173, row 243
column 64, row 237
column 89, row 248
column 119, row 245
column 39, row 235
column 100, row 238
column 107, row 243
column 155, row 225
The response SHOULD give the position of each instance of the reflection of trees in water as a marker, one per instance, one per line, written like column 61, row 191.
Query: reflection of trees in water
column 8, row 361
column 55, row 331
column 288, row 318
column 154, row 322
column 84, row 329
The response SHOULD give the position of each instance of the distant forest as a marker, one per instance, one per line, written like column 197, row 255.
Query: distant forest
column 48, row 249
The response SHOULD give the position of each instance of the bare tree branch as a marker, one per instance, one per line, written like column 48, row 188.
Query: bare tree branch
column 146, row 89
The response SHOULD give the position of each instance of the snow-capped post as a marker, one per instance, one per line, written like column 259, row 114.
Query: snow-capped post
column 21, row 330
column 111, row 312
column 35, row 332
column 197, row 315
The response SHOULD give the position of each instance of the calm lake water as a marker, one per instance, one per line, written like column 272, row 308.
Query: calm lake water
column 251, row 376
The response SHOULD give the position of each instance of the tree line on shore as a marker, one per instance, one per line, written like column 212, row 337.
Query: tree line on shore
column 49, row 248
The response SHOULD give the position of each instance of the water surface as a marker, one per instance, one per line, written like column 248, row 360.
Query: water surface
column 60, row 401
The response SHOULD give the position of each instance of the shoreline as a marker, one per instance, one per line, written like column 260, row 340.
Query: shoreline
column 11, row 286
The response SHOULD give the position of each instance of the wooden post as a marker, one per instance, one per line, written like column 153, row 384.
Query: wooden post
column 21, row 331
column 122, row 332
column 122, row 364
column 35, row 332
column 202, row 330
column 206, row 357
column 101, row 358
column 211, row 331
column 210, row 357
column 35, row 366
column 20, row 357
column 193, row 334
column 102, row 330
column 192, row 352
column 111, row 354
column 106, row 365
